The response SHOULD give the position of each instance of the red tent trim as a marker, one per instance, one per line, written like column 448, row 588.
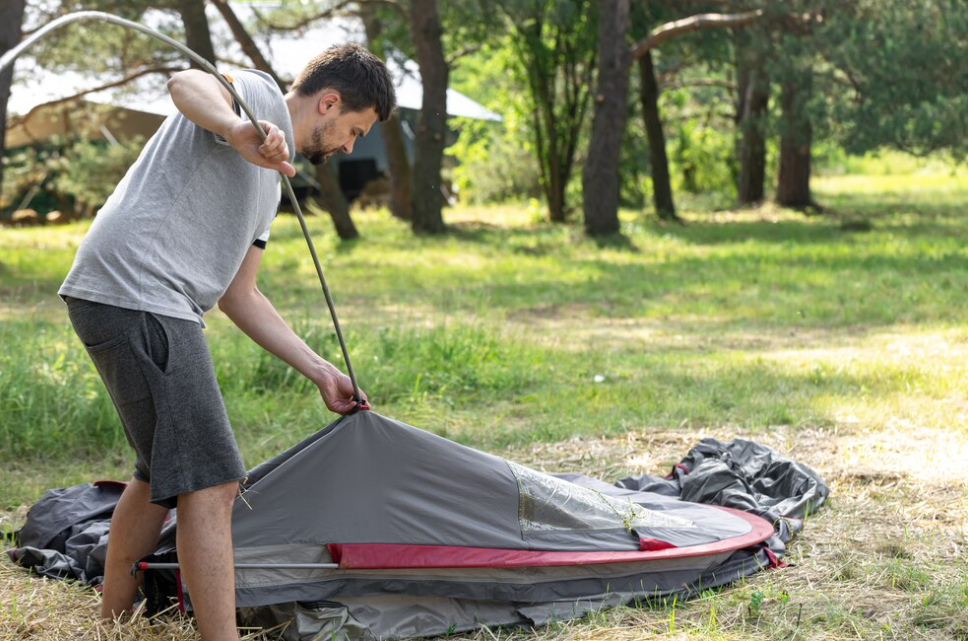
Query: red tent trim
column 399, row 556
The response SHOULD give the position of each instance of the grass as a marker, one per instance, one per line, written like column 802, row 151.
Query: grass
column 845, row 349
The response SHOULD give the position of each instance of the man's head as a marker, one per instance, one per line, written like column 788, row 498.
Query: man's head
column 345, row 90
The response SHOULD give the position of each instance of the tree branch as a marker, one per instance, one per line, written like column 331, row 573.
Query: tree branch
column 112, row 85
column 693, row 23
column 246, row 42
column 700, row 82
column 460, row 53
column 326, row 13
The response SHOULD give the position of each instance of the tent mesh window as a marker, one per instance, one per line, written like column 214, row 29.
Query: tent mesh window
column 549, row 503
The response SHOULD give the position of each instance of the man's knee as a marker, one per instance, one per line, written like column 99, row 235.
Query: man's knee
column 215, row 496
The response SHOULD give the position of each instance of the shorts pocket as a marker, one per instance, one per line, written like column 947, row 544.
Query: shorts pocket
column 105, row 346
column 119, row 369
column 157, row 345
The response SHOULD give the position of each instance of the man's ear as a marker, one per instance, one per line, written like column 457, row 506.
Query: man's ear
column 327, row 101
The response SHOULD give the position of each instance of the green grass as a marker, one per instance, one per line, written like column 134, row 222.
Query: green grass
column 508, row 331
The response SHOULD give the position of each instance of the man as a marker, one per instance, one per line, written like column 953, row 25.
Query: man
column 185, row 229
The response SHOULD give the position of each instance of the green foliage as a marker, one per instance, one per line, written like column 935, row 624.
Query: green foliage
column 886, row 72
column 492, row 165
column 495, row 161
column 700, row 157
column 25, row 171
column 554, row 45
column 88, row 171
column 78, row 176
column 110, row 51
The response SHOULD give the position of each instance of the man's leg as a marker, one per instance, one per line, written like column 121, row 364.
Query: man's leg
column 204, row 540
column 133, row 535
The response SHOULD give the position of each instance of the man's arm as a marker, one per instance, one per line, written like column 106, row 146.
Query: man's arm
column 203, row 100
column 252, row 312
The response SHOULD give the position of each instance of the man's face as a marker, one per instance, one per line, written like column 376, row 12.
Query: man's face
column 337, row 131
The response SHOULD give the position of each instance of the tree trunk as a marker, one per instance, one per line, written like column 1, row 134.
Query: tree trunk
column 600, row 176
column 427, row 201
column 555, row 189
column 753, row 102
column 197, row 35
column 11, row 20
column 661, row 184
column 331, row 199
column 401, row 178
column 249, row 47
column 793, row 181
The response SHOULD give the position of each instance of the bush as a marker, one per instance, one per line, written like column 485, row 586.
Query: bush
column 88, row 171
column 493, row 165
column 76, row 177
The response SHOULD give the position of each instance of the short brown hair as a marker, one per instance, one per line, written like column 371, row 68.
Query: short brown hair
column 361, row 79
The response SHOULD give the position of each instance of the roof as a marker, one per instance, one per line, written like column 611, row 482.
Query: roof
column 287, row 52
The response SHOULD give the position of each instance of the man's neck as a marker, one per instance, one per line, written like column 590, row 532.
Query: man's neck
column 298, row 106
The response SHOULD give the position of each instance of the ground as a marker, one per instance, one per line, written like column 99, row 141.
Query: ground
column 840, row 346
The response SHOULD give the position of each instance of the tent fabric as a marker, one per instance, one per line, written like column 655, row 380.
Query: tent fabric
column 744, row 475
column 432, row 536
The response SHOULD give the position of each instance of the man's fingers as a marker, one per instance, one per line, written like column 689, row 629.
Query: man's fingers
column 285, row 168
column 274, row 141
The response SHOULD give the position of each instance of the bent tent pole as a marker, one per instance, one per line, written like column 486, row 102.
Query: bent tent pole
column 7, row 60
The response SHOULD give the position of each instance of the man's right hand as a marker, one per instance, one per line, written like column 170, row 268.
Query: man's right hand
column 272, row 153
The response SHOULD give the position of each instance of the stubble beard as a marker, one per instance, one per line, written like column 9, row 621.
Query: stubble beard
column 319, row 151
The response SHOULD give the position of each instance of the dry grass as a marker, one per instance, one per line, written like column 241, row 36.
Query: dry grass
column 882, row 560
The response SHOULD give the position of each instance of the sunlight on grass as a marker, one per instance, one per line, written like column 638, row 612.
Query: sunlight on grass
column 510, row 330
column 845, row 349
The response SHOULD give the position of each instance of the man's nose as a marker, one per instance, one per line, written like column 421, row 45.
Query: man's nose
column 348, row 147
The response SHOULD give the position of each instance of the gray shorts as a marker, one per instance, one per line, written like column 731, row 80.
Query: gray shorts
column 159, row 374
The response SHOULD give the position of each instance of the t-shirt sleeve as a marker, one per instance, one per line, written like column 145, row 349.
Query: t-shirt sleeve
column 256, row 89
column 263, row 238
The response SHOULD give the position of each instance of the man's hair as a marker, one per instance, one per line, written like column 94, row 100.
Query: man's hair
column 361, row 79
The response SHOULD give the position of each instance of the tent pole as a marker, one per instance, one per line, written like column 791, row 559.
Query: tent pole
column 137, row 567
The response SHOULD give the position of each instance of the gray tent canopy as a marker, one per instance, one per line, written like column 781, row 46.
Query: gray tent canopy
column 397, row 533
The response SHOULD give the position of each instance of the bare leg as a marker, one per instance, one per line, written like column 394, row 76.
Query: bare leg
column 133, row 535
column 204, row 540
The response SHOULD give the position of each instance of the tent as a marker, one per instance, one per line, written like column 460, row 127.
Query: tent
column 373, row 529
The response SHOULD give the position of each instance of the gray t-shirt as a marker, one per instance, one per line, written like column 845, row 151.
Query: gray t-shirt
column 173, row 234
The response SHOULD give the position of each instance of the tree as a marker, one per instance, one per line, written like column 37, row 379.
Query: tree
column 893, row 74
column 600, row 180
column 605, row 208
column 430, row 139
column 11, row 19
column 665, row 207
column 753, row 97
column 331, row 199
column 555, row 46
column 197, row 35
column 401, row 177
column 423, row 22
column 245, row 41
column 796, row 137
